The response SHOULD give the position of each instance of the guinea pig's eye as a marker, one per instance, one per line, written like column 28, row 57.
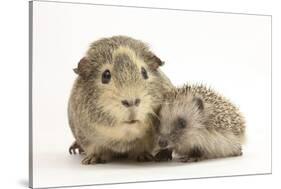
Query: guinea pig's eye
column 106, row 76
column 144, row 73
column 181, row 123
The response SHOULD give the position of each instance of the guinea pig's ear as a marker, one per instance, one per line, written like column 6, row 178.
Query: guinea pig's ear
column 153, row 61
column 199, row 103
column 84, row 68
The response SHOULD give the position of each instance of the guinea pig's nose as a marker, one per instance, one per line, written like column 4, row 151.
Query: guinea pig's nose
column 163, row 143
column 129, row 103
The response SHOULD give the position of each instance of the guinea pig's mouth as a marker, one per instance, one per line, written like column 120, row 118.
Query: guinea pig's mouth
column 131, row 121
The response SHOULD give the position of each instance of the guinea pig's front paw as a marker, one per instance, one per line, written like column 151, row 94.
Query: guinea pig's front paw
column 145, row 157
column 92, row 159
column 163, row 155
column 75, row 146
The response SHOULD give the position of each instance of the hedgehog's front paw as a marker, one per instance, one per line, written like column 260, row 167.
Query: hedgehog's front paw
column 75, row 146
column 145, row 157
column 164, row 155
column 195, row 154
column 93, row 159
column 186, row 159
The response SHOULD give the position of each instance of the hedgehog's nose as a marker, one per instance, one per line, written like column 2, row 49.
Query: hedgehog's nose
column 163, row 143
column 130, row 103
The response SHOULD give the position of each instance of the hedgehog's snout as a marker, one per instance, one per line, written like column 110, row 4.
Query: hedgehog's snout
column 163, row 143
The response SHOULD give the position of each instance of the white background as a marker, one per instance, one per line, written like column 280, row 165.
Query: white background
column 229, row 52
column 15, row 87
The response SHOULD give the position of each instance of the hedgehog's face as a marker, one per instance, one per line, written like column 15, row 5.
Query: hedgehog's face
column 177, row 118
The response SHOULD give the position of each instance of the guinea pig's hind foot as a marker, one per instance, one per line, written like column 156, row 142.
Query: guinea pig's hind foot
column 93, row 159
column 89, row 159
column 145, row 157
column 72, row 149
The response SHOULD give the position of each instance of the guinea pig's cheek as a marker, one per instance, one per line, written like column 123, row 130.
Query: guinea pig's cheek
column 131, row 132
column 120, row 116
column 139, row 116
column 145, row 109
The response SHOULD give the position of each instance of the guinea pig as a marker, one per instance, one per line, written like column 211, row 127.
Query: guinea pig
column 114, row 100
column 196, row 123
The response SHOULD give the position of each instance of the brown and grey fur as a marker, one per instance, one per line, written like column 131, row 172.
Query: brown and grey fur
column 198, row 123
column 99, row 121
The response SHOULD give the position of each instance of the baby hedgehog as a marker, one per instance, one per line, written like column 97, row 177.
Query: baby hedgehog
column 196, row 123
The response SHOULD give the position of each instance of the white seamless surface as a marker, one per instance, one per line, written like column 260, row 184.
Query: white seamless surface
column 228, row 52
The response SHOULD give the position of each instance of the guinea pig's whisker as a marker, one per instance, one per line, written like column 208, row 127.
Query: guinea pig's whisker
column 155, row 115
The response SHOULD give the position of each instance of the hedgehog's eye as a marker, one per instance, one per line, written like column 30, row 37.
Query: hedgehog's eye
column 106, row 76
column 181, row 123
column 144, row 73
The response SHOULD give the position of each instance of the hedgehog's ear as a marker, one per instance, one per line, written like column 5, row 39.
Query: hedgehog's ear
column 199, row 103
column 84, row 68
column 153, row 61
